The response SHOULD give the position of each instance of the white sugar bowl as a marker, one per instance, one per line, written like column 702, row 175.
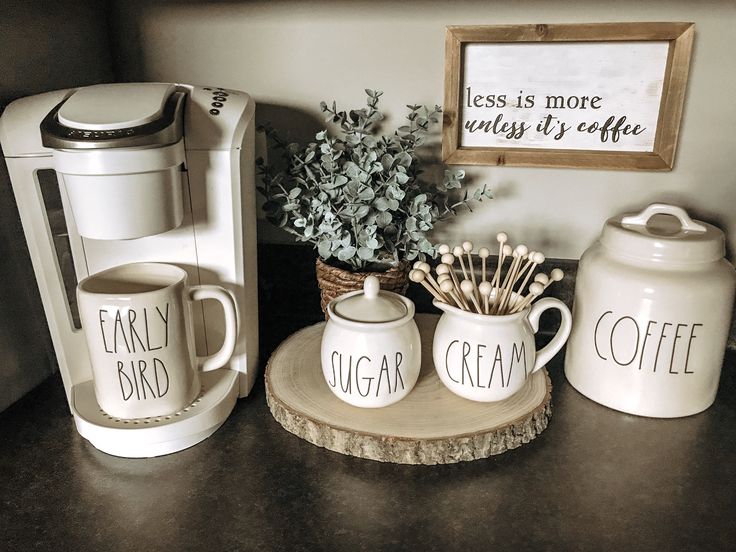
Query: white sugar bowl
column 371, row 351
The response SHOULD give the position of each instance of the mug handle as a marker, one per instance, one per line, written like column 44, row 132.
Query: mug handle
column 546, row 353
column 221, row 357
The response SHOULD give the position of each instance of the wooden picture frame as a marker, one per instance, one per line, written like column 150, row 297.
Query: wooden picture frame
column 679, row 37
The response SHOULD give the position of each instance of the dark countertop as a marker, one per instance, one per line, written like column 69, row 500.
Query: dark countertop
column 596, row 479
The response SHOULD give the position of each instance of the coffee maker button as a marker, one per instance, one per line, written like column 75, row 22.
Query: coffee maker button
column 224, row 94
column 216, row 104
column 206, row 89
column 214, row 111
column 219, row 99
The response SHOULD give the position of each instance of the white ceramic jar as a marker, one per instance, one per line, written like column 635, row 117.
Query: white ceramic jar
column 652, row 311
column 371, row 351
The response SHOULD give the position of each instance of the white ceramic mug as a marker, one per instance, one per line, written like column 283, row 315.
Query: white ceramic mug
column 488, row 358
column 137, row 320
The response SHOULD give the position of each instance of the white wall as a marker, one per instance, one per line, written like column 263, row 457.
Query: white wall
column 291, row 55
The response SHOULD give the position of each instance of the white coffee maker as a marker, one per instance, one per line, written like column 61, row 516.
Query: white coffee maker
column 119, row 173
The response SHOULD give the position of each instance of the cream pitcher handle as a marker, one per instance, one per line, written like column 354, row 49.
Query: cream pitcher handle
column 546, row 353
column 642, row 218
column 221, row 357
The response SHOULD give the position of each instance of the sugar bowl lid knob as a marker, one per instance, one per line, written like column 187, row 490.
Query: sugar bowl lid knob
column 371, row 287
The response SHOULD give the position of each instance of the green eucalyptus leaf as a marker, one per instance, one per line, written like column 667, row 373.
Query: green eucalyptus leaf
column 366, row 194
column 324, row 248
column 346, row 253
column 365, row 253
column 383, row 219
column 382, row 204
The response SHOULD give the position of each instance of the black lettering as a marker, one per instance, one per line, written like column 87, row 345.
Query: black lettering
column 466, row 368
column 517, row 355
column 122, row 375
column 644, row 344
column 134, row 334
column 397, row 376
column 595, row 335
column 166, row 324
column 156, row 365
column 674, row 344
column 636, row 347
column 347, row 388
column 119, row 325
column 555, row 102
column 334, row 376
column 478, row 356
column 102, row 330
column 689, row 343
column 661, row 338
column 447, row 363
column 144, row 382
column 384, row 368
column 498, row 359
column 357, row 377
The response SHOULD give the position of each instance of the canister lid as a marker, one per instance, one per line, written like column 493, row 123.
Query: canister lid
column 674, row 238
column 371, row 304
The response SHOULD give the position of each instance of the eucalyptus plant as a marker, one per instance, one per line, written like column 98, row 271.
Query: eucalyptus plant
column 359, row 196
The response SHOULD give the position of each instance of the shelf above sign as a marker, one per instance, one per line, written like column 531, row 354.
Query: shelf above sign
column 606, row 96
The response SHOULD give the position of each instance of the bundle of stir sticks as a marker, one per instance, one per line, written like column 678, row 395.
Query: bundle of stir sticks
column 503, row 293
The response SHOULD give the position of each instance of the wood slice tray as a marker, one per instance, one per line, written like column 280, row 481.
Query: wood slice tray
column 430, row 426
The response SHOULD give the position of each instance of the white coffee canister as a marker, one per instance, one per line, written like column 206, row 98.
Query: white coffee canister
column 371, row 351
column 652, row 311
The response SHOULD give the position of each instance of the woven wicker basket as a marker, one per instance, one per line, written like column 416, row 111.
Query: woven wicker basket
column 334, row 281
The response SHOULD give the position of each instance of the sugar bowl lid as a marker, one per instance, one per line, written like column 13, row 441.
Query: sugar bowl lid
column 677, row 238
column 370, row 305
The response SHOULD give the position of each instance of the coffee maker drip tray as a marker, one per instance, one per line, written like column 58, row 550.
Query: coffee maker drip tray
column 156, row 436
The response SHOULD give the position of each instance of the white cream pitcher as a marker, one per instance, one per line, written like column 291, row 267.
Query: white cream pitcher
column 488, row 358
column 653, row 300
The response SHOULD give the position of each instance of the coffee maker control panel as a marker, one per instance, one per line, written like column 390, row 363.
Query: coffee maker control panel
column 216, row 118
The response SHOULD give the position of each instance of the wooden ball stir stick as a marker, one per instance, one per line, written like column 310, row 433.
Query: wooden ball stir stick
column 555, row 275
column 458, row 252
column 485, row 289
column 483, row 253
column 448, row 287
column 535, row 259
column 542, row 278
column 424, row 267
column 468, row 248
column 519, row 253
column 448, row 259
column 446, row 270
column 418, row 276
column 443, row 249
column 506, row 252
column 502, row 238
column 468, row 289
column 535, row 290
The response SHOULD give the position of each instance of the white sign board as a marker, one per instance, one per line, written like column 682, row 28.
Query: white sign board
column 562, row 95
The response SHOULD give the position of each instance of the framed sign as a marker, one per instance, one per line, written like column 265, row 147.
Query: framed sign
column 605, row 95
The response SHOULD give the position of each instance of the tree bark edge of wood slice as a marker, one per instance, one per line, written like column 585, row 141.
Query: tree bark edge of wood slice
column 401, row 449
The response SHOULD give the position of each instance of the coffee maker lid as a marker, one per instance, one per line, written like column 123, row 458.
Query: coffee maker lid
column 116, row 116
column 114, row 106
